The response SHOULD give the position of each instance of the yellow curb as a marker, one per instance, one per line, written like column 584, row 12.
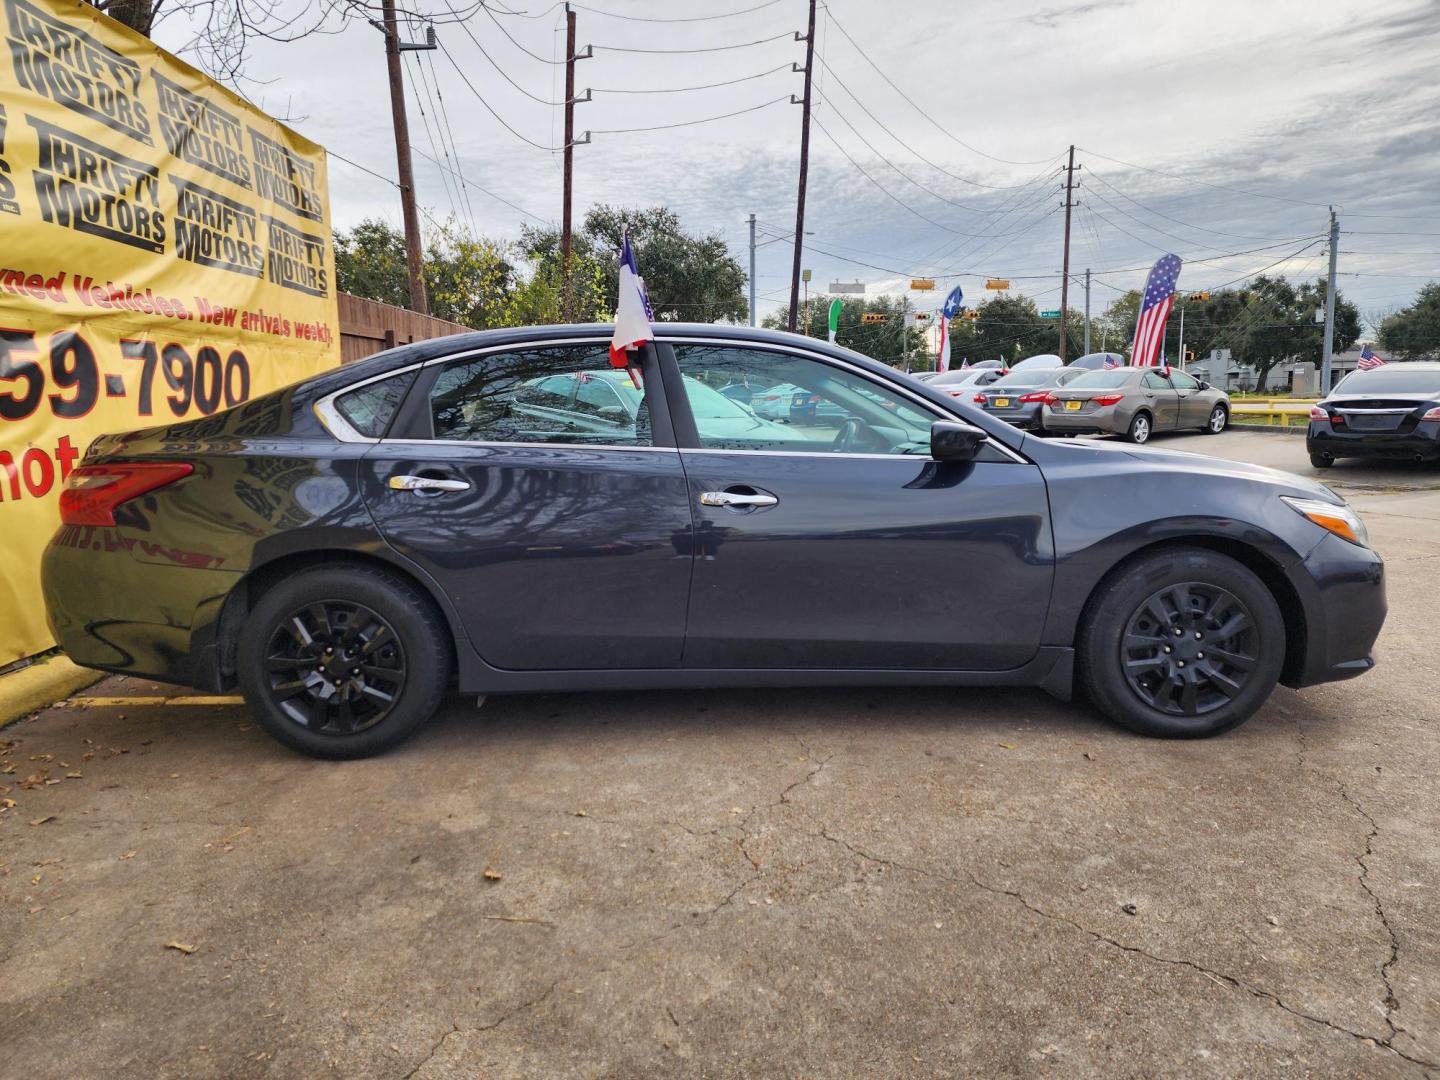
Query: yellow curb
column 112, row 702
column 40, row 685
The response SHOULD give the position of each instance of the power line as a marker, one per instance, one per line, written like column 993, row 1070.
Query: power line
column 466, row 79
column 705, row 49
column 1167, row 217
column 470, row 183
column 644, row 18
column 940, row 127
column 522, row 48
column 687, row 89
column 1204, row 183
column 690, row 123
column 503, row 73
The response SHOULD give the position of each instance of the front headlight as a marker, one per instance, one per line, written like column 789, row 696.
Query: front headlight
column 1338, row 519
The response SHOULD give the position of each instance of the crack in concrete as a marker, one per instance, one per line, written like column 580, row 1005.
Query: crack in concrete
column 1392, row 1003
column 1210, row 973
column 456, row 1029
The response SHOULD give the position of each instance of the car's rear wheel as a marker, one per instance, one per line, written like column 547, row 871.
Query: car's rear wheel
column 1139, row 431
column 1181, row 643
column 343, row 661
column 1321, row 461
column 1219, row 417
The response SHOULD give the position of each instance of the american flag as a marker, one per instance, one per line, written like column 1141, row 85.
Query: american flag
column 1112, row 361
column 1155, row 307
column 1369, row 359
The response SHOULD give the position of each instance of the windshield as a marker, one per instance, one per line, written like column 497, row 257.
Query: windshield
column 958, row 378
column 1100, row 380
column 1390, row 380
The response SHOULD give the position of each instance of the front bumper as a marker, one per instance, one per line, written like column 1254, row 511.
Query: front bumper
column 1342, row 590
column 1423, row 441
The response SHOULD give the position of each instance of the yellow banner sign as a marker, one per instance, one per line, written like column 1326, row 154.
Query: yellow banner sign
column 166, row 255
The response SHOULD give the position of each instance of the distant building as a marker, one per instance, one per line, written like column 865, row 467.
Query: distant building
column 1300, row 378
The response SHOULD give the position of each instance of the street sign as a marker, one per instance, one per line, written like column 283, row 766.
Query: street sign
column 921, row 284
column 805, row 275
column 1050, row 314
column 848, row 287
column 997, row 283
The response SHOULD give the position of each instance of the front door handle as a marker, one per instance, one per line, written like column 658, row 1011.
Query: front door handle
column 426, row 484
column 735, row 500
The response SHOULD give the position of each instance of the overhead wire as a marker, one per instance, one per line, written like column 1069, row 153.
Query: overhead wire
column 490, row 109
column 685, row 52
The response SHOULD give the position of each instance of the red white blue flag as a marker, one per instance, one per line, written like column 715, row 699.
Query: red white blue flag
column 1369, row 359
column 1155, row 305
column 632, row 310
column 950, row 309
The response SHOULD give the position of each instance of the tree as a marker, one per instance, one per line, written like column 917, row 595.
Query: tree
column 689, row 277
column 893, row 341
column 475, row 282
column 1414, row 332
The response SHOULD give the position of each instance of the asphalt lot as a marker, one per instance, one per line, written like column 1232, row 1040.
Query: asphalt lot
column 801, row 883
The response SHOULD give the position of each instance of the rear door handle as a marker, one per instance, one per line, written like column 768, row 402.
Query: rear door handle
column 433, row 485
column 735, row 500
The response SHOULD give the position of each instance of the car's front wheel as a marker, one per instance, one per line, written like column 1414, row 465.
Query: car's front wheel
column 1139, row 430
column 1219, row 417
column 1183, row 642
column 343, row 661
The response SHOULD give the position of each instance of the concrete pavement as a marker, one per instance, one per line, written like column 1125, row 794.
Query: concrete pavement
column 798, row 883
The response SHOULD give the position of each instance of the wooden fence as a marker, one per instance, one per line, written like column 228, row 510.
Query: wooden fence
column 368, row 326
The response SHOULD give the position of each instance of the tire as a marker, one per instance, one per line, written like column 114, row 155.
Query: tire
column 286, row 677
column 1141, row 426
column 1138, row 670
column 1218, row 422
column 1321, row 461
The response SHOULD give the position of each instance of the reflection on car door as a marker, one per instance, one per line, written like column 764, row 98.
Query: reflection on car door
column 1161, row 399
column 562, row 542
column 1194, row 403
column 878, row 559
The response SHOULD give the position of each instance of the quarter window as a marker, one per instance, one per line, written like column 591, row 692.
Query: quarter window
column 756, row 399
column 563, row 393
column 370, row 409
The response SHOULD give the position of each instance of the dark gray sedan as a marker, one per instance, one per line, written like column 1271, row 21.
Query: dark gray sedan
column 348, row 549
column 1136, row 403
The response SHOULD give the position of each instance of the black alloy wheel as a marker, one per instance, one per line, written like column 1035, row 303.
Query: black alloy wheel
column 344, row 660
column 1189, row 649
column 335, row 667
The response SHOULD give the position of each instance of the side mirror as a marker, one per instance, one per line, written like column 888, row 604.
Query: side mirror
column 951, row 440
column 1204, row 385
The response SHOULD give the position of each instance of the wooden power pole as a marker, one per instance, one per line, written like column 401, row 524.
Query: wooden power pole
column 804, row 169
column 1065, row 269
column 567, row 292
column 414, row 261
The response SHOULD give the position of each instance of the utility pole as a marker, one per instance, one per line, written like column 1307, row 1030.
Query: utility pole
column 752, row 269
column 567, row 293
column 1065, row 269
column 414, row 262
column 1182, row 333
column 1328, row 352
column 1087, row 311
column 804, row 166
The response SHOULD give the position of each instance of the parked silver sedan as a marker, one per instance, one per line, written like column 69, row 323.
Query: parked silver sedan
column 1136, row 402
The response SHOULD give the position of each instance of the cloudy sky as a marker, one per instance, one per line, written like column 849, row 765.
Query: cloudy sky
column 1221, row 131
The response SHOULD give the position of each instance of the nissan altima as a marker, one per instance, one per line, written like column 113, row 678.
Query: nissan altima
column 348, row 549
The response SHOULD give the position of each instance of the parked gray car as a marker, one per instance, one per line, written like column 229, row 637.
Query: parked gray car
column 1136, row 402
column 1019, row 398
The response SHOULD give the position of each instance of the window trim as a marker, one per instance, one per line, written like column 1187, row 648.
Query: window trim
column 344, row 432
column 925, row 404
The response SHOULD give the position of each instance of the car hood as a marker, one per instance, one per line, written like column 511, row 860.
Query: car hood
column 1182, row 462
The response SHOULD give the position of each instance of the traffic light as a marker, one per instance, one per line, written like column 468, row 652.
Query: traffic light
column 1189, row 356
column 922, row 316
column 971, row 315
column 872, row 317
column 1199, row 297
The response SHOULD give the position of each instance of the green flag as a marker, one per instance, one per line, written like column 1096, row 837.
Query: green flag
column 836, row 306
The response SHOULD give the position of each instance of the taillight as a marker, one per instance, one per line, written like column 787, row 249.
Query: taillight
column 92, row 492
column 1052, row 398
column 956, row 393
column 1109, row 399
column 1039, row 395
column 1317, row 413
column 814, row 399
column 979, row 399
column 1433, row 414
